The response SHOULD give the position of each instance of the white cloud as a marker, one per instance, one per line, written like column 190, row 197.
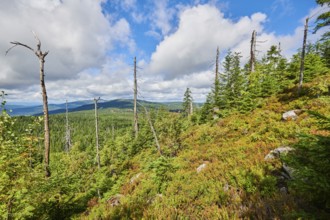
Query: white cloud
column 80, row 39
column 76, row 33
column 192, row 47
column 202, row 28
column 162, row 16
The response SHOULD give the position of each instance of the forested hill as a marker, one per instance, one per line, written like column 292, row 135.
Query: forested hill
column 227, row 168
column 258, row 148
column 89, row 105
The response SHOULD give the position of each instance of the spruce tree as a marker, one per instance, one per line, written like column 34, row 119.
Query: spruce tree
column 187, row 103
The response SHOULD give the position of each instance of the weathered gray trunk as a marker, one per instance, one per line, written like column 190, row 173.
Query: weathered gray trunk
column 302, row 62
column 97, row 135
column 41, row 56
column 191, row 109
column 136, row 128
column 67, row 129
column 46, row 115
column 152, row 130
column 217, row 65
column 253, row 51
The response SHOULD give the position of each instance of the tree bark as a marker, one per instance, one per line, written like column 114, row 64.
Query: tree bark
column 152, row 130
column 253, row 51
column 217, row 65
column 67, row 129
column 41, row 56
column 97, row 135
column 191, row 109
column 302, row 62
column 46, row 115
column 136, row 127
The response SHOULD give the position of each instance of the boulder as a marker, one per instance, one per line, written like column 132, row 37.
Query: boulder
column 288, row 171
column 276, row 153
column 115, row 200
column 201, row 167
column 284, row 190
column 291, row 115
column 134, row 178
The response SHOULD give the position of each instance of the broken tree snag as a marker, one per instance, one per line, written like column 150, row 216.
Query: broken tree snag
column 67, row 129
column 41, row 56
column 136, row 128
column 97, row 134
column 253, row 51
column 302, row 61
column 152, row 129
column 217, row 65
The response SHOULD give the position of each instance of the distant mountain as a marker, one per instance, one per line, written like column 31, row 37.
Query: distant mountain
column 117, row 103
column 17, row 110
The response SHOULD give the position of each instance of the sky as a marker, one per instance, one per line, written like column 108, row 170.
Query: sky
column 92, row 44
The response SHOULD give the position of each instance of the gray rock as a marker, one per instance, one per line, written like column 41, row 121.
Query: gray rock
column 134, row 178
column 115, row 200
column 226, row 187
column 293, row 115
column 276, row 153
column 288, row 170
column 283, row 190
column 201, row 167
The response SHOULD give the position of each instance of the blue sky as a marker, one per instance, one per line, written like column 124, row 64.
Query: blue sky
column 283, row 15
column 92, row 44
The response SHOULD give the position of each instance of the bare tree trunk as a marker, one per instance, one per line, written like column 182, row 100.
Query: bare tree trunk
column 191, row 109
column 217, row 65
column 97, row 134
column 253, row 51
column 41, row 57
column 67, row 129
column 302, row 62
column 136, row 128
column 152, row 129
column 46, row 115
column 97, row 141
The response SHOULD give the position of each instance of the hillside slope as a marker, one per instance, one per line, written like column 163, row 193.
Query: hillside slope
column 216, row 170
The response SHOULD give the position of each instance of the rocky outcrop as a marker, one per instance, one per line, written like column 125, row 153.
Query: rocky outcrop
column 115, row 200
column 286, row 172
column 135, row 178
column 291, row 115
column 201, row 167
column 276, row 153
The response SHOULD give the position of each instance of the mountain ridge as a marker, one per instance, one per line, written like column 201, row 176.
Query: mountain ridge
column 75, row 106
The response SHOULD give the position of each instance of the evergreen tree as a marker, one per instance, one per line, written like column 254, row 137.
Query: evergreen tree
column 311, row 161
column 272, row 67
column 233, row 80
column 207, row 109
column 323, row 19
column 315, row 61
column 187, row 103
column 216, row 91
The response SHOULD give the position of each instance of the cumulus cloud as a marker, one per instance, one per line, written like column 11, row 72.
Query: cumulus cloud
column 77, row 34
column 192, row 47
column 80, row 38
column 203, row 28
column 161, row 17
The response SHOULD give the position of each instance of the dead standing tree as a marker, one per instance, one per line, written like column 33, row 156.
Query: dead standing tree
column 97, row 141
column 152, row 129
column 136, row 128
column 41, row 56
column 67, row 129
column 97, row 134
column 253, row 51
column 302, row 62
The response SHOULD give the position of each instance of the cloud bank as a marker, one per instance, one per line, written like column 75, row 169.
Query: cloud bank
column 91, row 52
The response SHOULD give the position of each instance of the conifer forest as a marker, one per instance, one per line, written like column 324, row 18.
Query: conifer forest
column 258, row 147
